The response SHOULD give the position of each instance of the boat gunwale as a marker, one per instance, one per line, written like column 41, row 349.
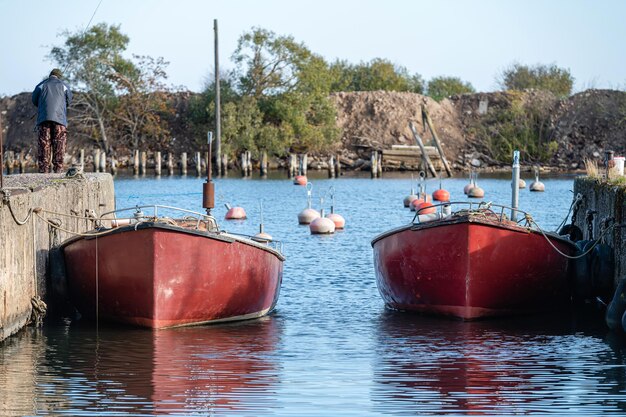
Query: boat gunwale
column 221, row 235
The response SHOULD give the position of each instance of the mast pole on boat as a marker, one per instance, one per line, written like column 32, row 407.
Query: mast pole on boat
column 208, row 191
column 515, row 186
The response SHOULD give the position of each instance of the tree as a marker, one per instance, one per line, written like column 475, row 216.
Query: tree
column 142, row 103
column 557, row 80
column 442, row 87
column 378, row 74
column 91, row 62
column 267, row 63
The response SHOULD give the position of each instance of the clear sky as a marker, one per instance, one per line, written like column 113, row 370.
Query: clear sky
column 471, row 39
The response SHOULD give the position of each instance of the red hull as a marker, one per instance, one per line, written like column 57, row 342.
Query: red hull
column 163, row 276
column 470, row 269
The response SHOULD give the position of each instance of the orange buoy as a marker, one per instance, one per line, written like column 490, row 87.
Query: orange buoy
column 338, row 219
column 235, row 213
column 426, row 208
column 441, row 195
column 322, row 226
column 300, row 180
column 416, row 202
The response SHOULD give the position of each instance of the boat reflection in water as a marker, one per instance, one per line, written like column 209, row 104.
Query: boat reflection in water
column 206, row 370
column 429, row 366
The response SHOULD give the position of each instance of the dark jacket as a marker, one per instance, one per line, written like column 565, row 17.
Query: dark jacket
column 52, row 96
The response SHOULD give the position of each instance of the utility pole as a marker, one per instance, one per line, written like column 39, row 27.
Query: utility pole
column 218, row 128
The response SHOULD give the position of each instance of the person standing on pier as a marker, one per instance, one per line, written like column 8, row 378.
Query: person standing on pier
column 52, row 96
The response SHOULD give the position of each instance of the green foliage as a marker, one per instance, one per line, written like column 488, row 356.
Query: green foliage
column 378, row 74
column 551, row 78
column 442, row 87
column 521, row 126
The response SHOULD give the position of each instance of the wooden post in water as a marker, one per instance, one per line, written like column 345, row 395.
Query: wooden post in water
column 157, row 164
column 183, row 163
column 113, row 165
column 103, row 162
column 198, row 164
column 374, row 164
column 136, row 162
column 431, row 127
column 8, row 162
column 249, row 163
column 244, row 161
column 331, row 167
column 291, row 166
column 263, row 164
column 305, row 163
column 22, row 163
column 81, row 160
column 170, row 163
column 144, row 163
column 96, row 160
column 224, row 164
column 379, row 160
column 337, row 167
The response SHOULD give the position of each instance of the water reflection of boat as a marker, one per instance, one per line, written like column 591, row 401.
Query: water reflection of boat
column 471, row 263
column 187, row 370
column 496, row 367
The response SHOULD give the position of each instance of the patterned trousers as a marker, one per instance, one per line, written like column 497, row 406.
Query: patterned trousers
column 52, row 140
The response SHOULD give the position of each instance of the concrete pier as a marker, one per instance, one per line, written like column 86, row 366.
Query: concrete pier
column 608, row 201
column 24, row 248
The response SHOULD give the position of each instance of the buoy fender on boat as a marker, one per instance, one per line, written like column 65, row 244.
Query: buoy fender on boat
column 425, row 208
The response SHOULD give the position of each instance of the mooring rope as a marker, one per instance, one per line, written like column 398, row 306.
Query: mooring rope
column 595, row 243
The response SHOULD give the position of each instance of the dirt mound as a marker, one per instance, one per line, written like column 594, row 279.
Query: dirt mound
column 379, row 119
column 588, row 123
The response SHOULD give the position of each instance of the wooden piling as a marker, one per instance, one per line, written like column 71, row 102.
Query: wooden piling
column 337, row 167
column 183, row 163
column 244, row 162
column 96, row 160
column 157, row 164
column 8, row 162
column 81, row 160
column 198, row 164
column 170, row 163
column 305, row 163
column 21, row 163
column 113, row 165
column 374, row 164
column 136, row 162
column 379, row 161
column 331, row 167
column 263, row 165
column 249, row 163
column 103, row 162
column 143, row 162
column 224, row 165
column 291, row 166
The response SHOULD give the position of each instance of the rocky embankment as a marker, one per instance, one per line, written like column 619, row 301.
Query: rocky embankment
column 581, row 126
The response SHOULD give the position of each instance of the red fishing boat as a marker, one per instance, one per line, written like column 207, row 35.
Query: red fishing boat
column 472, row 263
column 156, row 271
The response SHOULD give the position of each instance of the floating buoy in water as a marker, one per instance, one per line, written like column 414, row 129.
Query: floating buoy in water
column 416, row 203
column 476, row 192
column 300, row 180
column 410, row 197
column 537, row 185
column 441, row 194
column 522, row 183
column 425, row 208
column 309, row 214
column 339, row 221
column 235, row 213
column 470, row 185
column 262, row 237
column 322, row 226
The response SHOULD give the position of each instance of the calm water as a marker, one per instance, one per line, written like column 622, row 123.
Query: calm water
column 330, row 348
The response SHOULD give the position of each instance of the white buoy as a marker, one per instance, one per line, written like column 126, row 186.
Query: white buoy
column 522, row 183
column 470, row 185
column 339, row 221
column 262, row 237
column 537, row 185
column 410, row 197
column 309, row 214
column 322, row 226
column 235, row 213
column 476, row 191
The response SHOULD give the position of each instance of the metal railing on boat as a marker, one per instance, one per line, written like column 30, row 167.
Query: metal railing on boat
column 446, row 209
